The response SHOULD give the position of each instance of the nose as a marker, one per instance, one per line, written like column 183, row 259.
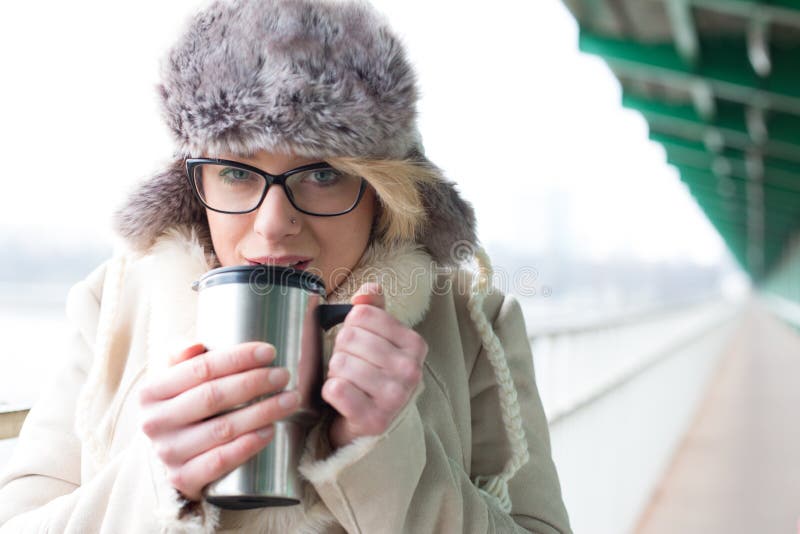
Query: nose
column 274, row 216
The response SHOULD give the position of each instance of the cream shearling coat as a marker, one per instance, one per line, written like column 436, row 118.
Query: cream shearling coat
column 83, row 465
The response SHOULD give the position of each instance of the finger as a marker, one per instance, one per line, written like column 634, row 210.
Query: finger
column 186, row 354
column 388, row 393
column 369, row 293
column 378, row 321
column 213, row 364
column 363, row 375
column 212, row 398
column 370, row 346
column 201, row 437
column 203, row 469
column 346, row 398
column 381, row 323
column 399, row 365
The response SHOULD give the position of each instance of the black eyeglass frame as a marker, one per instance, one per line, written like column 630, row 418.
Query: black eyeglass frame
column 269, row 181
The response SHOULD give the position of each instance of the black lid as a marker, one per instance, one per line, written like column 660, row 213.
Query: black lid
column 261, row 275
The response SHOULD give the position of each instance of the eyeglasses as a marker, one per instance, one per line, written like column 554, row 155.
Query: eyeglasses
column 233, row 187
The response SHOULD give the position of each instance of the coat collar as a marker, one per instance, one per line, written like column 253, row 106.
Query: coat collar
column 404, row 273
column 178, row 258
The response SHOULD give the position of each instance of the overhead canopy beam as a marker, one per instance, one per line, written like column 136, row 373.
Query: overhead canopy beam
column 721, row 210
column 703, row 100
column 737, row 232
column 784, row 203
column 737, row 229
column 683, row 30
column 778, row 175
column 687, row 159
column 779, row 214
column 702, row 175
column 725, row 67
column 758, row 44
column 779, row 198
column 787, row 207
column 733, row 237
column 756, row 123
column 756, row 218
column 784, row 11
column 736, row 208
column 687, row 43
column 732, row 210
column 682, row 120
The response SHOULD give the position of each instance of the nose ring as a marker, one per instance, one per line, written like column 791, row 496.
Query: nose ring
column 292, row 220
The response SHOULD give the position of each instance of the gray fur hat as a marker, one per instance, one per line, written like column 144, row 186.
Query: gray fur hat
column 320, row 78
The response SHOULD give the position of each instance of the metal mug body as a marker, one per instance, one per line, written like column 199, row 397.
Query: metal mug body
column 235, row 306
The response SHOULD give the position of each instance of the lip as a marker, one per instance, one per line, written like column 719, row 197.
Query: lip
column 297, row 262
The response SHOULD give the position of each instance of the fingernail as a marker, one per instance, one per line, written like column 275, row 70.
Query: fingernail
column 289, row 399
column 266, row 432
column 262, row 353
column 278, row 376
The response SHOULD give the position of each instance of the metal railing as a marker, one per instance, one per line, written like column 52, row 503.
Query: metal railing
column 578, row 365
column 786, row 309
column 11, row 420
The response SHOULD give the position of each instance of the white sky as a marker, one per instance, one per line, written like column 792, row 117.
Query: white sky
column 510, row 110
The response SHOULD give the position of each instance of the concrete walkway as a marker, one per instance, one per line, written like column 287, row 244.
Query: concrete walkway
column 738, row 468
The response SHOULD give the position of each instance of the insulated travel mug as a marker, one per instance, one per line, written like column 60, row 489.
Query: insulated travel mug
column 285, row 307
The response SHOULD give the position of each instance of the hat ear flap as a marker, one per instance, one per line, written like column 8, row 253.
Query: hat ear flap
column 449, row 233
column 162, row 202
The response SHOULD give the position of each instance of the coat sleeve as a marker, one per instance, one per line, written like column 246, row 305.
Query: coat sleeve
column 46, row 463
column 403, row 481
column 42, row 488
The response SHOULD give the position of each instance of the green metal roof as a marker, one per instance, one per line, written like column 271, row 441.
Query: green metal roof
column 718, row 82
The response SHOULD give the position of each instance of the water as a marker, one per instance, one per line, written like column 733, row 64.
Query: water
column 33, row 330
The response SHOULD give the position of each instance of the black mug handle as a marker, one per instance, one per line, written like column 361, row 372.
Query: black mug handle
column 332, row 314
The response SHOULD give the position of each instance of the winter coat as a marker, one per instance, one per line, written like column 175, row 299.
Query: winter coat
column 83, row 464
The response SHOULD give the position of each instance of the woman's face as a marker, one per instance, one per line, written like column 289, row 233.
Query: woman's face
column 331, row 246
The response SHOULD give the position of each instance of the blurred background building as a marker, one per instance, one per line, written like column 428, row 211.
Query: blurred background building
column 634, row 166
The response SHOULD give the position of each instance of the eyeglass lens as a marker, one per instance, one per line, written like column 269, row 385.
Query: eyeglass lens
column 322, row 191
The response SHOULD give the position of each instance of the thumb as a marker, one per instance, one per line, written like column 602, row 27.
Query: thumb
column 370, row 293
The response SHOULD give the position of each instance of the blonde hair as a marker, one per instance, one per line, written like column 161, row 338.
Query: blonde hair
column 402, row 212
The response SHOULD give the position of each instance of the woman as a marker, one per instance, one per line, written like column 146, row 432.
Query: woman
column 435, row 422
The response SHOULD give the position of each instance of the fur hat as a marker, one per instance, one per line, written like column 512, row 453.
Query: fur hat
column 320, row 78
column 314, row 78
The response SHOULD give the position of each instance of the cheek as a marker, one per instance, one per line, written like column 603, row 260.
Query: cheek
column 345, row 240
column 360, row 227
column 226, row 232
column 353, row 237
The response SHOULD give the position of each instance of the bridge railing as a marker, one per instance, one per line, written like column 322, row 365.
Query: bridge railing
column 619, row 396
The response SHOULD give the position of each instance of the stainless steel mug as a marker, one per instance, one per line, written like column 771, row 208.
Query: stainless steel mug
column 284, row 307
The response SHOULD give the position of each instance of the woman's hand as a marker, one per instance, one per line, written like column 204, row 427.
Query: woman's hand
column 176, row 403
column 374, row 369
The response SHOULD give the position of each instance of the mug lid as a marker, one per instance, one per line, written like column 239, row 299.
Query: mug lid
column 260, row 276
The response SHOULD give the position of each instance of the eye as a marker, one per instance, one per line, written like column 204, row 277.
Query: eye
column 235, row 175
column 322, row 177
